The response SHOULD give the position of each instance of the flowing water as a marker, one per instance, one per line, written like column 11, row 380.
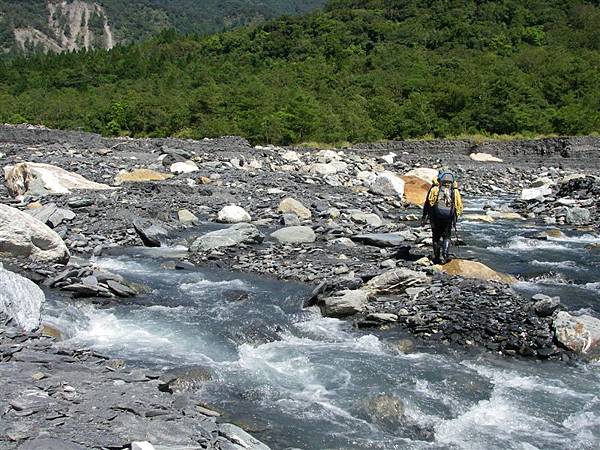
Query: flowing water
column 304, row 381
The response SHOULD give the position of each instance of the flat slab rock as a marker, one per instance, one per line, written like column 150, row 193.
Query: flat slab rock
column 380, row 239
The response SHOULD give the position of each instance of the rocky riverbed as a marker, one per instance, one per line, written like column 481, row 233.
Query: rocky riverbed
column 341, row 220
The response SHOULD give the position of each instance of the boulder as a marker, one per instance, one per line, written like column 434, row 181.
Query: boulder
column 415, row 190
column 385, row 409
column 545, row 305
column 42, row 179
column 186, row 217
column 474, row 269
column 344, row 303
column 484, row 157
column 380, row 239
column 233, row 214
column 387, row 184
column 294, row 235
column 51, row 215
column 535, row 193
column 578, row 333
column 183, row 167
column 151, row 231
column 23, row 235
column 395, row 280
column 328, row 168
column 240, row 438
column 20, row 299
column 366, row 219
column 424, row 173
column 290, row 205
column 140, row 175
column 240, row 233
column 184, row 379
column 541, row 182
column 290, row 156
column 578, row 216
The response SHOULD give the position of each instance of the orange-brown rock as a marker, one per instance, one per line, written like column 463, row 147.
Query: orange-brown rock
column 415, row 190
column 474, row 269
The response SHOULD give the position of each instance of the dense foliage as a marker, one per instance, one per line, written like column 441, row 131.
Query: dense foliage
column 136, row 20
column 358, row 71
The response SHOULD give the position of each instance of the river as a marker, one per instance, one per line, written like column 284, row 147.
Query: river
column 299, row 380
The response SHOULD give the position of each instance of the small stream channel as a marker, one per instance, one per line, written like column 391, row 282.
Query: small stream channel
column 304, row 381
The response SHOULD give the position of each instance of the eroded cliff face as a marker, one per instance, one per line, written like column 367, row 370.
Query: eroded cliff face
column 72, row 25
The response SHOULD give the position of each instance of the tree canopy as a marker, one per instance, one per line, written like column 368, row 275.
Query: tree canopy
column 356, row 71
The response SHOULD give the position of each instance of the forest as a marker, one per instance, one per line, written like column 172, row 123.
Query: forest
column 354, row 71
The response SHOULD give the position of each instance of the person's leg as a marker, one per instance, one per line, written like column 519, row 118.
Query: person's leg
column 446, row 240
column 436, row 232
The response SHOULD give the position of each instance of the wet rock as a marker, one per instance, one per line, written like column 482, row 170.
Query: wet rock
column 20, row 299
column 578, row 333
column 186, row 217
column 402, row 346
column 120, row 289
column 474, row 269
column 385, row 410
column 241, row 233
column 184, row 379
column 294, row 235
column 344, row 303
column 478, row 217
column 151, row 231
column 233, row 214
column 545, row 305
column 23, row 235
column 240, row 438
column 290, row 205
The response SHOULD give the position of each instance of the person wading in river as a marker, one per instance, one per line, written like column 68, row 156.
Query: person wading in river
column 442, row 207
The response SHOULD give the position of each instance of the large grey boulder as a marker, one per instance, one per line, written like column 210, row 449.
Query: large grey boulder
column 241, row 233
column 42, row 179
column 20, row 299
column 48, row 443
column 294, row 235
column 388, row 184
column 344, row 303
column 578, row 333
column 23, row 235
column 151, row 232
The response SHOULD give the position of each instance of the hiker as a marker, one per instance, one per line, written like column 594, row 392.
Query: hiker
column 442, row 207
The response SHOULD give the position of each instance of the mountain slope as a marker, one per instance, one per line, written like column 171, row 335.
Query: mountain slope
column 60, row 25
column 358, row 71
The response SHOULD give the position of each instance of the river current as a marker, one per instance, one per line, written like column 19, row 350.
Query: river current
column 298, row 380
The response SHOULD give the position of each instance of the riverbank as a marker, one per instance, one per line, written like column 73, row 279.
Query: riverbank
column 336, row 234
